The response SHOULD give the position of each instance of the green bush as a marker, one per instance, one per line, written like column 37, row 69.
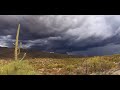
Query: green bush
column 70, row 67
column 17, row 68
column 97, row 64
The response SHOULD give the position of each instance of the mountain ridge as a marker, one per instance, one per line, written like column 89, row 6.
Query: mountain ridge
column 8, row 53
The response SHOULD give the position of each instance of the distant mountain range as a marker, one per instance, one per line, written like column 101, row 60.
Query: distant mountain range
column 8, row 53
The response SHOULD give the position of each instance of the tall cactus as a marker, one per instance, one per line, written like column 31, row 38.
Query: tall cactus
column 17, row 47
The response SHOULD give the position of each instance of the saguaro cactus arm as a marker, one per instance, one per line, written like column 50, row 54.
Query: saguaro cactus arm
column 23, row 56
column 19, row 48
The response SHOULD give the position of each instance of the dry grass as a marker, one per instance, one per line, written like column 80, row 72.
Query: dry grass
column 74, row 66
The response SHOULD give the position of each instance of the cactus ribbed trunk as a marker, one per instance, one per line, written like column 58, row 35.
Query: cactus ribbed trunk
column 16, row 43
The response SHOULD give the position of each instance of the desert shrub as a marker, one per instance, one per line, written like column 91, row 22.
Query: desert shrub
column 97, row 64
column 52, row 65
column 17, row 68
column 70, row 68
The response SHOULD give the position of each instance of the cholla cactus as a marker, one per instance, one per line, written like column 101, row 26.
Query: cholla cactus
column 17, row 47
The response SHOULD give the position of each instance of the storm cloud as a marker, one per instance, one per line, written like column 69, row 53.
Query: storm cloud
column 72, row 34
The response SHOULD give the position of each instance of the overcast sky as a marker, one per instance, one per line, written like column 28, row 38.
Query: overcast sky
column 74, row 34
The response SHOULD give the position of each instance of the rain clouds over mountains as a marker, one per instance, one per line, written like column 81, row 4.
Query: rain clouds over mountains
column 74, row 34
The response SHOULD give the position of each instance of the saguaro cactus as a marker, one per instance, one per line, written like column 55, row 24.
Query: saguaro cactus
column 17, row 47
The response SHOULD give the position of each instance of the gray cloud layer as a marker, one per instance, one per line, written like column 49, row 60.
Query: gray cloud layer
column 75, row 34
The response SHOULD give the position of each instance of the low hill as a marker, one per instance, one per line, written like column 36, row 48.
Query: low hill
column 8, row 53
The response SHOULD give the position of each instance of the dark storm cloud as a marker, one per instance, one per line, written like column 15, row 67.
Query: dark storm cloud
column 75, row 34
